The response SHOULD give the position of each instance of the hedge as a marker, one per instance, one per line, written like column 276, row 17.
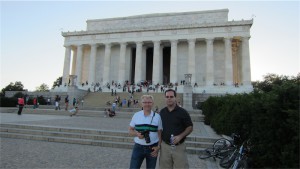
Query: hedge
column 270, row 119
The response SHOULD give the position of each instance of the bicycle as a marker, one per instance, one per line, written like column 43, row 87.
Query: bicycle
column 220, row 149
column 237, row 158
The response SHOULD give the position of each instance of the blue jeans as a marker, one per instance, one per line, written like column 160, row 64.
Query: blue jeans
column 140, row 152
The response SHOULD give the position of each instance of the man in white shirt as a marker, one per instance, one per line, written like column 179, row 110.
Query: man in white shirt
column 146, row 126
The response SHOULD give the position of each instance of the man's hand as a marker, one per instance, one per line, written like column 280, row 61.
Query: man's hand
column 177, row 139
column 155, row 151
column 139, row 135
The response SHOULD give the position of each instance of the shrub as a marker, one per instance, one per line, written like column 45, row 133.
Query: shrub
column 268, row 116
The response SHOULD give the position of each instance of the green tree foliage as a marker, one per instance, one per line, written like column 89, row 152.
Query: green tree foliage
column 57, row 82
column 42, row 88
column 269, row 116
column 17, row 86
column 11, row 102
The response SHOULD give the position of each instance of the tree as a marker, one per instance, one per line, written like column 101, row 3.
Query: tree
column 269, row 116
column 270, row 80
column 42, row 88
column 57, row 83
column 17, row 86
column 11, row 102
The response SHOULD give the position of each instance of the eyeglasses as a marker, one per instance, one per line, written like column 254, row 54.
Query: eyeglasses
column 147, row 102
column 169, row 97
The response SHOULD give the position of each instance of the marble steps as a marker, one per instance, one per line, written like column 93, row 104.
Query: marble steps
column 105, row 138
column 99, row 99
column 196, row 117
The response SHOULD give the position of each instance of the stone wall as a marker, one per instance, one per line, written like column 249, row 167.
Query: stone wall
column 157, row 20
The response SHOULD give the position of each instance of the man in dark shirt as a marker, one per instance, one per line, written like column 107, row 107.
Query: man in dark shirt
column 176, row 121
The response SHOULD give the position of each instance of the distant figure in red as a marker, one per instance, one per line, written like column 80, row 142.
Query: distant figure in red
column 21, row 105
column 34, row 103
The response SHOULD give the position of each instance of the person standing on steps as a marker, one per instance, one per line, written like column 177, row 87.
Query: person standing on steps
column 21, row 105
column 66, row 102
column 146, row 126
column 177, row 123
column 74, row 102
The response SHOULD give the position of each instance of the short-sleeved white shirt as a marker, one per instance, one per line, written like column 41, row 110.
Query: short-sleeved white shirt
column 139, row 120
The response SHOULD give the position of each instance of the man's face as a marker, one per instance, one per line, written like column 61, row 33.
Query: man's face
column 147, row 104
column 170, row 98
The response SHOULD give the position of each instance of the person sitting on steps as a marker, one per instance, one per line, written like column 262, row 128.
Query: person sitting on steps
column 108, row 112
column 74, row 111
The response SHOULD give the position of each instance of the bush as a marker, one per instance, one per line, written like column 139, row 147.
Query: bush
column 269, row 116
column 8, row 102
column 12, row 101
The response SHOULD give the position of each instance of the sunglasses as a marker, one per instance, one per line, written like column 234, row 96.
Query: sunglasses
column 169, row 97
column 147, row 102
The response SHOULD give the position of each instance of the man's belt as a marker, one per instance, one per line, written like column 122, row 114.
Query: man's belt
column 182, row 141
column 152, row 145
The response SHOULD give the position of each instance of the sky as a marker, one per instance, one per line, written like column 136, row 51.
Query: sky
column 32, row 48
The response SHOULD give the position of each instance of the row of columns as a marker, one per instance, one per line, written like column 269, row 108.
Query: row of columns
column 157, row 62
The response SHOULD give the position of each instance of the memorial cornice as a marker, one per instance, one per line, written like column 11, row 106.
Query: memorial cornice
column 156, row 28
column 154, row 15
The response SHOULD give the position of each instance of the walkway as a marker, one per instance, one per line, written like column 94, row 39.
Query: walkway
column 18, row 153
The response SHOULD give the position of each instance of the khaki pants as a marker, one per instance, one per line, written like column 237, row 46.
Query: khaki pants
column 173, row 158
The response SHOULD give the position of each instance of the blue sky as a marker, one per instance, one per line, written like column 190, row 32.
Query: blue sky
column 32, row 46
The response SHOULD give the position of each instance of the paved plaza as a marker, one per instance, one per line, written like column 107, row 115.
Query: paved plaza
column 20, row 153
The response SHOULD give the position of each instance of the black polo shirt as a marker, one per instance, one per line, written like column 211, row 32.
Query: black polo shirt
column 174, row 122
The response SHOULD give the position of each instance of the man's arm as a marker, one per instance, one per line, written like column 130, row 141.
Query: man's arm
column 156, row 149
column 186, row 132
column 133, row 132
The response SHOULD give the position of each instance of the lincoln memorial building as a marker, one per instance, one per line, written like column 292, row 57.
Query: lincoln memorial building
column 162, row 48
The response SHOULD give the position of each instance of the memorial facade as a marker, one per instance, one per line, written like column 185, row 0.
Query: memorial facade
column 161, row 48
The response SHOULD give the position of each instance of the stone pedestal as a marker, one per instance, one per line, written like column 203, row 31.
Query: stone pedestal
column 72, row 92
column 188, row 93
column 188, row 98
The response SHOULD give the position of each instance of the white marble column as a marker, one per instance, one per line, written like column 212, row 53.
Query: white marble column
column 106, row 71
column 74, row 58
column 246, row 70
column 92, row 63
column 138, row 62
column 161, row 73
column 79, row 65
column 173, row 70
column 66, row 71
column 156, row 64
column 209, row 62
column 144, row 60
column 191, row 62
column 122, row 63
column 228, row 61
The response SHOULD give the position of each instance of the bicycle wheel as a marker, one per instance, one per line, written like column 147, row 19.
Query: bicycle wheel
column 203, row 154
column 222, row 143
column 228, row 160
column 221, row 147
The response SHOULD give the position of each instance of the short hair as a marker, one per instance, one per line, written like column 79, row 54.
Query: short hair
column 147, row 97
column 170, row 90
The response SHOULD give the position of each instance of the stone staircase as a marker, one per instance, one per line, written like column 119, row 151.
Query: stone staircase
column 99, row 99
column 105, row 138
column 127, row 113
column 94, row 105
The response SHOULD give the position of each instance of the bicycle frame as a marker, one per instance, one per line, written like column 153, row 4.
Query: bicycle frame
column 240, row 160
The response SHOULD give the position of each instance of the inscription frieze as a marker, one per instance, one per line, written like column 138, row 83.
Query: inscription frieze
column 160, row 20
